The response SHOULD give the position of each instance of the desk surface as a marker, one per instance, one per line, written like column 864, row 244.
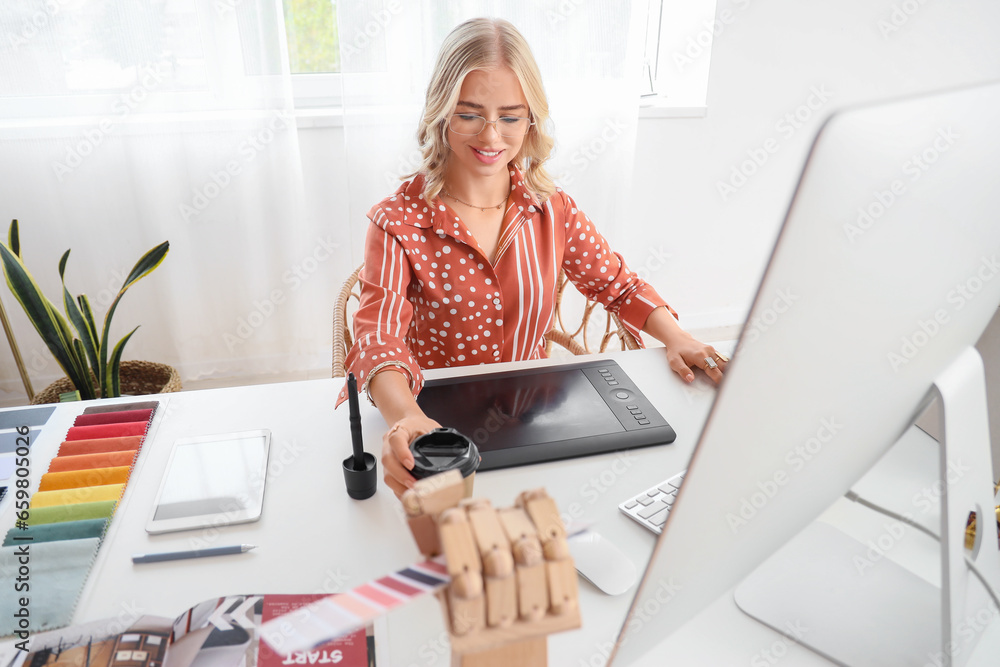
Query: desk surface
column 313, row 538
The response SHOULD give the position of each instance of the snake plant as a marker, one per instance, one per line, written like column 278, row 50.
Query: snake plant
column 80, row 350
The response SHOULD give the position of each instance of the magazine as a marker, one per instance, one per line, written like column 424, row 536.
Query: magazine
column 223, row 632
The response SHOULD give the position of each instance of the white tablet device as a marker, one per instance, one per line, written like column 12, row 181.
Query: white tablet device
column 212, row 480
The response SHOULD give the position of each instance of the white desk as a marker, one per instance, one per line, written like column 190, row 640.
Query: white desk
column 313, row 538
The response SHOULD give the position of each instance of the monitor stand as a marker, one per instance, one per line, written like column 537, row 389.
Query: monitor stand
column 813, row 592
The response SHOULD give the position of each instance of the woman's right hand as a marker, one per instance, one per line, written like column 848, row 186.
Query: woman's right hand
column 397, row 460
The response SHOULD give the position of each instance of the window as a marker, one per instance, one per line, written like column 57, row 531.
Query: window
column 319, row 54
column 98, row 47
column 109, row 58
column 60, row 58
column 311, row 33
column 678, row 52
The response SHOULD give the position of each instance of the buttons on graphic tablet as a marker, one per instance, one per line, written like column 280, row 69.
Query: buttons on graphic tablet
column 622, row 394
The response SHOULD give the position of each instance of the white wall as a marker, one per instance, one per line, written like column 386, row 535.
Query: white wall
column 765, row 64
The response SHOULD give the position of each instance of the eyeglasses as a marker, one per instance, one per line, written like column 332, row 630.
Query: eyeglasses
column 506, row 126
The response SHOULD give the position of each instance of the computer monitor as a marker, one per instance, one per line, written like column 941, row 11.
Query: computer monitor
column 885, row 274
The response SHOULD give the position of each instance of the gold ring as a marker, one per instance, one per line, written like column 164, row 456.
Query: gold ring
column 392, row 430
column 710, row 363
column 721, row 357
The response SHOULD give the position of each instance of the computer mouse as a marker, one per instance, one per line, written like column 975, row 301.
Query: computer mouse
column 601, row 563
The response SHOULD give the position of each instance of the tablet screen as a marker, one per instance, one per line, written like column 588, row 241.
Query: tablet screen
column 523, row 410
column 212, row 480
column 546, row 413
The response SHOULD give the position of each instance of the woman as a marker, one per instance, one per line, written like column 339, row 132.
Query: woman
column 461, row 262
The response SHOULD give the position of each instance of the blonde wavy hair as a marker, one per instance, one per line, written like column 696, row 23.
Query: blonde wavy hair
column 481, row 44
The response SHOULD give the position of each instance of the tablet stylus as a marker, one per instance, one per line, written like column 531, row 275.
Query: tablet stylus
column 193, row 553
column 355, row 417
column 359, row 467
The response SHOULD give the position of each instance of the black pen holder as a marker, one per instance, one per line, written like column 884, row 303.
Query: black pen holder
column 361, row 484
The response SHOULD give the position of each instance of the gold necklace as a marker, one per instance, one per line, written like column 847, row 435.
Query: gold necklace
column 481, row 208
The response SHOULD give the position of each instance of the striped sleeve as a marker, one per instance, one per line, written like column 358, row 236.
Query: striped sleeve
column 601, row 274
column 384, row 314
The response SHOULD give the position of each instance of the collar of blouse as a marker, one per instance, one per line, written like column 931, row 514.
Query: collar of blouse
column 441, row 218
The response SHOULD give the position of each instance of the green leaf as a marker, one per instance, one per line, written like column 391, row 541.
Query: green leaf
column 146, row 264
column 69, row 396
column 77, row 355
column 81, row 354
column 12, row 238
column 114, row 368
column 76, row 316
column 89, row 393
column 143, row 267
column 88, row 315
column 48, row 322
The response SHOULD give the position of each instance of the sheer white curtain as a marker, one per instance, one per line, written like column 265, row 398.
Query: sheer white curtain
column 590, row 57
column 123, row 124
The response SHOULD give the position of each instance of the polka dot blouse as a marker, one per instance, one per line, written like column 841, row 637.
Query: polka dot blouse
column 430, row 298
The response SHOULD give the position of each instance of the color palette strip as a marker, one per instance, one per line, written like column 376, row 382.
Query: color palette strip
column 83, row 494
column 74, row 479
column 9, row 440
column 67, row 517
column 100, row 418
column 117, row 430
column 99, row 445
column 92, row 461
column 336, row 615
column 26, row 416
column 10, row 421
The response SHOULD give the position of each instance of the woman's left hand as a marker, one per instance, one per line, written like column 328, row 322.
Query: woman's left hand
column 685, row 353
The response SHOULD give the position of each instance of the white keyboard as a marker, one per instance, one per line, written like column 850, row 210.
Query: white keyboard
column 651, row 508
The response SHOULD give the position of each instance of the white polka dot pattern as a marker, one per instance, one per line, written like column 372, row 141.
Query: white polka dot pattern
column 431, row 299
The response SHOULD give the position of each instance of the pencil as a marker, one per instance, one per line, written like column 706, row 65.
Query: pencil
column 193, row 553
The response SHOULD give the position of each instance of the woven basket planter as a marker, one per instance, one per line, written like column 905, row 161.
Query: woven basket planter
column 137, row 378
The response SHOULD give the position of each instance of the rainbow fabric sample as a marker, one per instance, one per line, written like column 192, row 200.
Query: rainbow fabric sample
column 53, row 544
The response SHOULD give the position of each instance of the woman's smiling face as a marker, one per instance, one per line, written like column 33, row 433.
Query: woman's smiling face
column 491, row 94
